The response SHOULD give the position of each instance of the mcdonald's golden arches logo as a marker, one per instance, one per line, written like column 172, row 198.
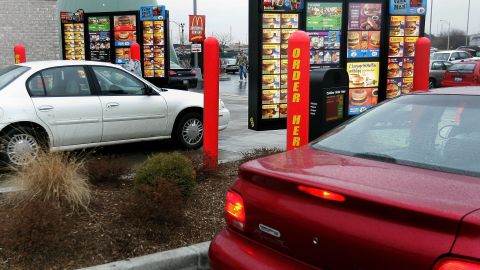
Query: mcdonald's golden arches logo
column 197, row 28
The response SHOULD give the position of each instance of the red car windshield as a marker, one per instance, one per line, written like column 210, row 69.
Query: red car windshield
column 438, row 132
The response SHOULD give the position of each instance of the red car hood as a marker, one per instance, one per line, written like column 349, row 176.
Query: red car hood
column 441, row 194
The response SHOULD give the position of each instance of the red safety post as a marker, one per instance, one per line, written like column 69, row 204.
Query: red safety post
column 19, row 52
column 298, row 90
column 422, row 64
column 135, row 51
column 211, row 61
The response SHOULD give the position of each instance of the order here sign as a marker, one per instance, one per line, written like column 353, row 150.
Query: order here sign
column 298, row 90
column 197, row 28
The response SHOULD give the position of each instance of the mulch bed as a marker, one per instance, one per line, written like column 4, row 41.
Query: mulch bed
column 109, row 233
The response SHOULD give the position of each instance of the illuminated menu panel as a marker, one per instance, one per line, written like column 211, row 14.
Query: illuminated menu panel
column 154, row 49
column 99, row 34
column 363, row 54
column 73, row 35
column 404, row 32
column 125, row 35
column 324, row 24
column 277, row 29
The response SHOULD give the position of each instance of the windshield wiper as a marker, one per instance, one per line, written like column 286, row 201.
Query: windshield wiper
column 376, row 156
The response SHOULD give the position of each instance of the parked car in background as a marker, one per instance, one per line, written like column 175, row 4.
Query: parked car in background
column 465, row 73
column 182, row 78
column 395, row 188
column 67, row 105
column 473, row 50
column 437, row 73
column 229, row 65
column 450, row 56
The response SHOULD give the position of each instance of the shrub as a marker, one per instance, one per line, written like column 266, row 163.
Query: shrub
column 105, row 169
column 52, row 178
column 172, row 167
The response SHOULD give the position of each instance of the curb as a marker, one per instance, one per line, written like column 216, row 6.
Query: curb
column 193, row 257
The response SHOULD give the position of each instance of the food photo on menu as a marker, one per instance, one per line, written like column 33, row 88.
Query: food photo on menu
column 125, row 30
column 365, row 17
column 270, row 51
column 286, row 34
column 407, row 85
column 284, row 66
column 283, row 95
column 289, row 21
column 412, row 26
column 270, row 96
column 410, row 46
column 68, row 27
column 395, row 47
column 158, row 51
column 397, row 26
column 361, row 99
column 284, row 81
column 271, row 67
column 271, row 82
column 363, row 74
column 270, row 111
column 394, row 87
column 148, row 51
column 271, row 36
column 408, row 67
column 283, row 111
column 158, row 39
column 285, row 5
column 271, row 20
column 324, row 16
column 394, row 68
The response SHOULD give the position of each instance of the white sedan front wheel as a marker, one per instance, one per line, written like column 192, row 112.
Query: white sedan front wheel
column 189, row 131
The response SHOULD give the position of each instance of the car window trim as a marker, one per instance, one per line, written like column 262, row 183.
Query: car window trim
column 45, row 88
column 19, row 75
column 99, row 89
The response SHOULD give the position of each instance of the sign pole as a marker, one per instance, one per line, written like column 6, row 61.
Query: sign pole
column 210, row 110
column 195, row 55
column 298, row 90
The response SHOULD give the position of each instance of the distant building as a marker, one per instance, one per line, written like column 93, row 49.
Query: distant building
column 474, row 40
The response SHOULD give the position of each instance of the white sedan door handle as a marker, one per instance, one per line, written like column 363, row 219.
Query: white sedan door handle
column 45, row 108
column 112, row 105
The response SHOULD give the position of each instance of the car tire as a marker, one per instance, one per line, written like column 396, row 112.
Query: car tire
column 21, row 145
column 431, row 83
column 189, row 131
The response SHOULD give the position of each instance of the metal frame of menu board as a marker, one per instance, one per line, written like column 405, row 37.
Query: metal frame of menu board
column 139, row 39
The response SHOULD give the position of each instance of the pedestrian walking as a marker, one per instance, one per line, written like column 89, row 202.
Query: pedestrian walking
column 242, row 62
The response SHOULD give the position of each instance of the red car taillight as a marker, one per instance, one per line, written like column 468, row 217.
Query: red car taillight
column 456, row 264
column 194, row 72
column 172, row 73
column 235, row 210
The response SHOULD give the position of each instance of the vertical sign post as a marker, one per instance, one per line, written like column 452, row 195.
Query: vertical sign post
column 210, row 110
column 422, row 64
column 298, row 90
column 19, row 52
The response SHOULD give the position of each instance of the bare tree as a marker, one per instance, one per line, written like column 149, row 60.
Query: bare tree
column 224, row 39
column 457, row 39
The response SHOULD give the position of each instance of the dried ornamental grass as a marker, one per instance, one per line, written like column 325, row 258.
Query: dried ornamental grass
column 52, row 177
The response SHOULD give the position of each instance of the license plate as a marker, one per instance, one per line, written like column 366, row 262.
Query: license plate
column 458, row 79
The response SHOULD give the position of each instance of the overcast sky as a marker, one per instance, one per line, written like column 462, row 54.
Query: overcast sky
column 225, row 14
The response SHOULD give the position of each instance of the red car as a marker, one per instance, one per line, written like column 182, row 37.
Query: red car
column 395, row 188
column 465, row 73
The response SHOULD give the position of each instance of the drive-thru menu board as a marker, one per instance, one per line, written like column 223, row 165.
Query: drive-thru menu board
column 404, row 32
column 125, row 32
column 276, row 30
column 153, row 19
column 73, row 34
column 99, row 34
column 324, row 25
column 363, row 42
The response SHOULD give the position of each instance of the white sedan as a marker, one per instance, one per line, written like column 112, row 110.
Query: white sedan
column 67, row 105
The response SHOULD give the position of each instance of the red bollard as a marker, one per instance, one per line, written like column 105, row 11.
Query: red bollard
column 210, row 111
column 19, row 52
column 298, row 90
column 422, row 64
column 135, row 51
